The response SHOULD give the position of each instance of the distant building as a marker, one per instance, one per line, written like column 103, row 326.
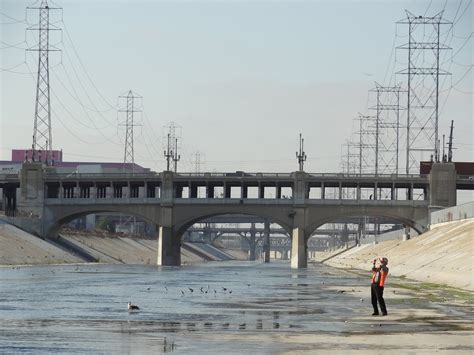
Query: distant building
column 27, row 154
column 20, row 155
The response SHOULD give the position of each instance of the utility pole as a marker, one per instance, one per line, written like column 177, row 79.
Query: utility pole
column 301, row 155
column 450, row 144
column 168, row 153
column 423, row 86
column 129, row 110
column 42, row 135
column 176, row 157
column 171, row 150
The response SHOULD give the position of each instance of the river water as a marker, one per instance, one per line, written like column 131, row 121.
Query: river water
column 83, row 308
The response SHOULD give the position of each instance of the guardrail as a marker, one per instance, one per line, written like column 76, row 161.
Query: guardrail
column 223, row 175
column 112, row 176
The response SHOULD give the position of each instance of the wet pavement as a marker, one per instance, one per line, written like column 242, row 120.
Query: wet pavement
column 231, row 307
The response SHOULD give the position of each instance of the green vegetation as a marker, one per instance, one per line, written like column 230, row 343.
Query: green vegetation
column 437, row 292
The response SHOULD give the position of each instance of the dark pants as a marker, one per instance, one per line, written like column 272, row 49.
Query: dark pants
column 377, row 296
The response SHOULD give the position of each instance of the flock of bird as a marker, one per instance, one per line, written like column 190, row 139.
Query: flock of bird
column 189, row 290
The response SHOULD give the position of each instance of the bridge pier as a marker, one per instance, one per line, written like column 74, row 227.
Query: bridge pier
column 169, row 248
column 266, row 242
column 299, row 257
column 442, row 185
column 253, row 244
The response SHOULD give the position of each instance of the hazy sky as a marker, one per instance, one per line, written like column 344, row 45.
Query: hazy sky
column 242, row 78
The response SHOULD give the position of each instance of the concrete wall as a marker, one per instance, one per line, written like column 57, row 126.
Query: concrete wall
column 442, row 255
column 450, row 214
column 393, row 235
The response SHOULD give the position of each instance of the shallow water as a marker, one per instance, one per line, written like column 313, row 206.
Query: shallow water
column 83, row 309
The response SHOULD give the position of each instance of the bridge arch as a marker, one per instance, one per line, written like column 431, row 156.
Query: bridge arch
column 418, row 227
column 59, row 218
column 182, row 225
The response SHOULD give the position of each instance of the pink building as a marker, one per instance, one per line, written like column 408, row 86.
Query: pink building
column 27, row 154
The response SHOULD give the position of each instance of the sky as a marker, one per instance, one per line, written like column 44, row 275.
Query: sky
column 241, row 79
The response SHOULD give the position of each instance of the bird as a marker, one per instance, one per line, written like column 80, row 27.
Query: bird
column 132, row 307
column 182, row 293
column 190, row 289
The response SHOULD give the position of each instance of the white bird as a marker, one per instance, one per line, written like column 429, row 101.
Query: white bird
column 132, row 306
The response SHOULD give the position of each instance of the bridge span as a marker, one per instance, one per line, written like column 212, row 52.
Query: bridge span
column 174, row 202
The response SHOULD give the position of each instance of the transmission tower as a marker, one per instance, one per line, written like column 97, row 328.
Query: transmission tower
column 171, row 150
column 350, row 158
column 198, row 161
column 129, row 110
column 423, row 74
column 364, row 145
column 387, row 128
column 42, row 135
column 301, row 155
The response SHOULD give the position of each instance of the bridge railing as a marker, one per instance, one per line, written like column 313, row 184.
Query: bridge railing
column 381, row 176
column 111, row 176
column 232, row 174
column 466, row 177
column 9, row 176
column 155, row 175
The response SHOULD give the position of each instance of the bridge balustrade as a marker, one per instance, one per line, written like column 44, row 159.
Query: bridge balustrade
column 240, row 186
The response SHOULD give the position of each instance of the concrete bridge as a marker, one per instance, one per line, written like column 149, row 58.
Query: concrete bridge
column 256, row 240
column 40, row 200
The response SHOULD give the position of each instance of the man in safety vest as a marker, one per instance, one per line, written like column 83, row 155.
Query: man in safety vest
column 380, row 272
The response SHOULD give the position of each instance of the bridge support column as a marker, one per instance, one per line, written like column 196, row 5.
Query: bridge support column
column 244, row 191
column 266, row 241
column 169, row 248
column 298, row 249
column 253, row 245
column 442, row 189
column 210, row 191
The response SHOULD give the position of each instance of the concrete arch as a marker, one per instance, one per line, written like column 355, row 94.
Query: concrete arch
column 58, row 218
column 418, row 227
column 182, row 225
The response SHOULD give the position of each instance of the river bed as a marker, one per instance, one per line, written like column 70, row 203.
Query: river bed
column 221, row 307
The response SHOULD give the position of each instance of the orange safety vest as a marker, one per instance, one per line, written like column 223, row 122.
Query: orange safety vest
column 380, row 275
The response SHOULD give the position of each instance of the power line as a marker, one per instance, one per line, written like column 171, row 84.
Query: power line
column 14, row 20
column 84, row 68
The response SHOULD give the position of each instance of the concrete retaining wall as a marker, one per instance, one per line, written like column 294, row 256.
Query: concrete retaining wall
column 443, row 255
column 450, row 214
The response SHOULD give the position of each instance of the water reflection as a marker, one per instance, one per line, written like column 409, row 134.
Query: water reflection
column 84, row 309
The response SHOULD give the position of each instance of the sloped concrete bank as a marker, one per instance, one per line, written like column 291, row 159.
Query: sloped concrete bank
column 443, row 255
column 21, row 248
